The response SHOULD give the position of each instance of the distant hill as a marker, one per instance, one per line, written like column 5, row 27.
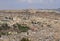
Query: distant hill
column 57, row 9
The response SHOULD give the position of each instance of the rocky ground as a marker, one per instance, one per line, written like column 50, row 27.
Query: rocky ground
column 44, row 26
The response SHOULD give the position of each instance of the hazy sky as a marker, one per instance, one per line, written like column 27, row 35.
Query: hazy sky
column 23, row 4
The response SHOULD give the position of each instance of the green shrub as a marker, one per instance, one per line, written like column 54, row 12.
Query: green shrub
column 0, row 35
column 20, row 27
column 4, row 26
column 25, row 39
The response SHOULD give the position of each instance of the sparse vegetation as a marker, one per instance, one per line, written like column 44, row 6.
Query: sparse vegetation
column 22, row 28
column 10, row 18
column 4, row 26
column 49, row 26
column 0, row 35
column 33, row 22
column 3, row 33
column 3, row 29
column 25, row 39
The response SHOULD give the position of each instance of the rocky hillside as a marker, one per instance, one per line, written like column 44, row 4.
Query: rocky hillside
column 35, row 25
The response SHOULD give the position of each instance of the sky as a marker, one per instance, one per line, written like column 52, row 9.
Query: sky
column 27, row 4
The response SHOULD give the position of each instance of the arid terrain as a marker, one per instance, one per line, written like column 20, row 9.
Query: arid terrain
column 36, row 25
